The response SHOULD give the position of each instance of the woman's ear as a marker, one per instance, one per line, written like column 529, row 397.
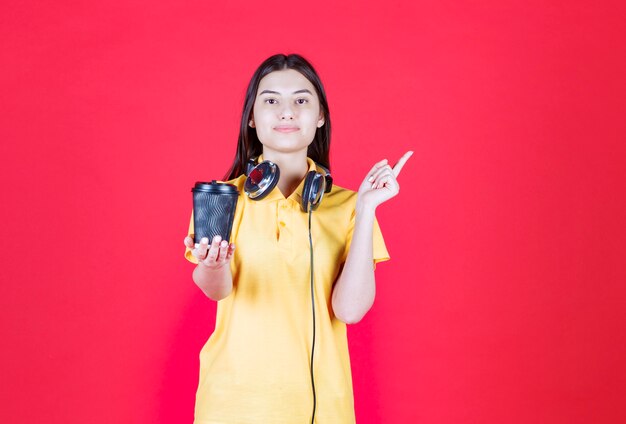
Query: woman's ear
column 321, row 120
column 251, row 122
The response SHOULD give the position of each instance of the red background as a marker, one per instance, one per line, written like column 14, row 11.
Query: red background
column 504, row 301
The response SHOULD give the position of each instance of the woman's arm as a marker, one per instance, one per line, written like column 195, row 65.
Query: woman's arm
column 355, row 289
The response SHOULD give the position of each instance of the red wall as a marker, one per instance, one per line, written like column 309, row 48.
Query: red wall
column 504, row 301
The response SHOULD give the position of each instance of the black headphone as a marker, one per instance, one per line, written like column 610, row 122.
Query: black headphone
column 262, row 179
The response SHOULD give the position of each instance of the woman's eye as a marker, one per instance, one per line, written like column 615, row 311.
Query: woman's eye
column 302, row 101
column 271, row 101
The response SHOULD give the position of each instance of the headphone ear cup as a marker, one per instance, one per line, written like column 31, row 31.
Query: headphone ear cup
column 312, row 191
column 327, row 177
column 261, row 180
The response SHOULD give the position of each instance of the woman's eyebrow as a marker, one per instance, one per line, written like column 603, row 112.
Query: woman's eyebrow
column 276, row 92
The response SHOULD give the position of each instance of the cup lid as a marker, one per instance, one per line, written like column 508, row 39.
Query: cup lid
column 215, row 187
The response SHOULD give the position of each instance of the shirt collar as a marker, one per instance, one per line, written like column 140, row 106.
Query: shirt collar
column 296, row 196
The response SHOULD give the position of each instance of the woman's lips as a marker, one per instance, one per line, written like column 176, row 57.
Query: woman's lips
column 286, row 129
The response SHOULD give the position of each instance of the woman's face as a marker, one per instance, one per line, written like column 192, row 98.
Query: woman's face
column 286, row 111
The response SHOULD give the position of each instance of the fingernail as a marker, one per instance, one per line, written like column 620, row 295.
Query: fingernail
column 204, row 240
column 218, row 238
column 224, row 243
column 370, row 179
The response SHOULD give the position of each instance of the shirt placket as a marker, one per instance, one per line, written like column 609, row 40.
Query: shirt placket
column 284, row 225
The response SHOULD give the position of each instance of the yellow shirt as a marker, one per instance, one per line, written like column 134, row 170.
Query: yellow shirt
column 255, row 367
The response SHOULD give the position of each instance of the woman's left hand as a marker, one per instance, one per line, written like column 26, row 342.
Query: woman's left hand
column 381, row 183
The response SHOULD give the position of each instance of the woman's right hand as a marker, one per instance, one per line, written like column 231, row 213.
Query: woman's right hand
column 215, row 256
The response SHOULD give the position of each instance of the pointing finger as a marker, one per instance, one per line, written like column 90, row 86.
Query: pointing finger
column 398, row 167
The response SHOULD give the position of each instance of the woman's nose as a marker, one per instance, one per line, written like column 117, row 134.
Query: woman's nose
column 286, row 112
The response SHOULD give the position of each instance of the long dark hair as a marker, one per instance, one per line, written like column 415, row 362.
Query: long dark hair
column 249, row 145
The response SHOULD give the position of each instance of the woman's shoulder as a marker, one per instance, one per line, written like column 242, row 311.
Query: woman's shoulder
column 340, row 196
column 237, row 182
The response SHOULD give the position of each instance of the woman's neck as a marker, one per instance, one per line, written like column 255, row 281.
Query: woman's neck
column 293, row 169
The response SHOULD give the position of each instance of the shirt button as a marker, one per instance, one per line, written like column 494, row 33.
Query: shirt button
column 282, row 223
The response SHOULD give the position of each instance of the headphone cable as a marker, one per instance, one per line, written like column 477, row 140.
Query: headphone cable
column 313, row 311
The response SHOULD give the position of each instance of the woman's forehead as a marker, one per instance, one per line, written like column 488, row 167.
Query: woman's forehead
column 285, row 81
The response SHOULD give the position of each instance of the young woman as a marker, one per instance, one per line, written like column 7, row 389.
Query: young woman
column 279, row 352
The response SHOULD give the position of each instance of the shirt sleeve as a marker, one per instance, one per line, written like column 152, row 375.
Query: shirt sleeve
column 188, row 255
column 379, row 249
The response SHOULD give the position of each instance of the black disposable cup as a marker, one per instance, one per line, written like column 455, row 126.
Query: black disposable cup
column 213, row 210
